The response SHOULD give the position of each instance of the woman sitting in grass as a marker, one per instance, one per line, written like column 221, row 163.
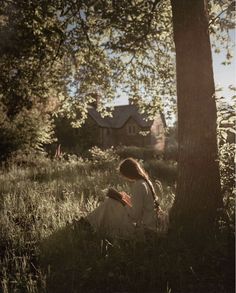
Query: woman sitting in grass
column 124, row 215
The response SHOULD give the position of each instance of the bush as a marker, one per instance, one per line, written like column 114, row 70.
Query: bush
column 103, row 159
column 27, row 131
column 162, row 170
column 30, row 158
column 138, row 152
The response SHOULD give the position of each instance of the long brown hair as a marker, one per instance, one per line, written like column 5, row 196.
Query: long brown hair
column 131, row 169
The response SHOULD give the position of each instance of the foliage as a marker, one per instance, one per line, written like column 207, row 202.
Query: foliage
column 138, row 152
column 29, row 77
column 220, row 24
column 163, row 170
column 92, row 47
column 103, row 158
column 31, row 35
column 133, row 40
column 56, row 55
column 226, row 135
column 73, row 139
column 27, row 131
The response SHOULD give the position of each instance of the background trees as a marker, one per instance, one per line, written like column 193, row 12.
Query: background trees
column 31, row 77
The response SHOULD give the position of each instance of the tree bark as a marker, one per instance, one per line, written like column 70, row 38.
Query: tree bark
column 198, row 185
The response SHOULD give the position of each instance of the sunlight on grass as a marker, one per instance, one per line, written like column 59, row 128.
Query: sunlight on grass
column 45, row 249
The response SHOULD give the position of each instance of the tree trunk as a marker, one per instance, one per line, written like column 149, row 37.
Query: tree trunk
column 198, row 186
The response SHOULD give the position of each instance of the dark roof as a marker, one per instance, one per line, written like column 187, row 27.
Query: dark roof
column 120, row 115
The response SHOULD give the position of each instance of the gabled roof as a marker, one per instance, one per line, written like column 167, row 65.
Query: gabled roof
column 120, row 115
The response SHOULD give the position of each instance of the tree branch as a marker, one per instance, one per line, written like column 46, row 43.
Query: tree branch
column 223, row 11
column 83, row 25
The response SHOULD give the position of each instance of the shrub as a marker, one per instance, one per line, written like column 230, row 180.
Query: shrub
column 162, row 170
column 27, row 131
column 29, row 158
column 103, row 159
column 138, row 152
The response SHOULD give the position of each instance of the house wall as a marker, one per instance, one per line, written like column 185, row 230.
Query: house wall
column 95, row 131
column 124, row 136
column 127, row 135
column 106, row 137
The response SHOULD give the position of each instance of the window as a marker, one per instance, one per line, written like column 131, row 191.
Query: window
column 131, row 129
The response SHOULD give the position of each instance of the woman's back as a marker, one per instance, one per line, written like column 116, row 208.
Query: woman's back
column 117, row 218
column 143, row 210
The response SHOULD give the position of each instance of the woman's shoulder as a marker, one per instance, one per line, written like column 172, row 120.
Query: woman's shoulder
column 141, row 183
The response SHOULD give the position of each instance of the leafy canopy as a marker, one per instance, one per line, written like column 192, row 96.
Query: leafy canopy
column 57, row 55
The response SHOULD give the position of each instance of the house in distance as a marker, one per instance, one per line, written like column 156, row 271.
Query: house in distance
column 128, row 127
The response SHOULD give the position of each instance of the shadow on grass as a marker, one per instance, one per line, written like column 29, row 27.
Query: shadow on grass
column 78, row 260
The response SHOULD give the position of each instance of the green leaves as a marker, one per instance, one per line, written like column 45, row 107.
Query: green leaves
column 226, row 140
column 59, row 52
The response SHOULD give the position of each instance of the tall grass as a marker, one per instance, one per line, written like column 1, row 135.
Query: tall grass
column 44, row 248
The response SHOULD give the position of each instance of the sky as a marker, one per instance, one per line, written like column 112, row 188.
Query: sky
column 224, row 75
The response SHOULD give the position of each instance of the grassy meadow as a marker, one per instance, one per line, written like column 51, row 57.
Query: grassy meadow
column 44, row 249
